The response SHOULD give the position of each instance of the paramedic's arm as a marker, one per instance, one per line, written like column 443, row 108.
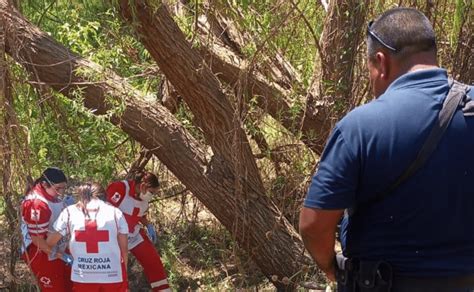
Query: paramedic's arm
column 318, row 230
column 144, row 220
column 123, row 244
column 40, row 242
column 59, row 230
column 51, row 241
column 122, row 235
column 36, row 214
column 53, row 238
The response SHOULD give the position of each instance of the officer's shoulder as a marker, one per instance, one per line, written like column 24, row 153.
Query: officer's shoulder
column 363, row 114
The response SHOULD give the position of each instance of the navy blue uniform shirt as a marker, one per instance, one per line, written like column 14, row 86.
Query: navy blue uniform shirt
column 426, row 227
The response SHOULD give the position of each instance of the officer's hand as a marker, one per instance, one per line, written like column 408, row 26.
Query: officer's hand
column 67, row 258
column 151, row 232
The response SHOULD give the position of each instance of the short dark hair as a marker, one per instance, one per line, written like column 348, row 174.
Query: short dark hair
column 406, row 29
column 52, row 175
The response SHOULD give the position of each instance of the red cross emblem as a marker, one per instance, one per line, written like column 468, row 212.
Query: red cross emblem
column 135, row 211
column 132, row 219
column 91, row 236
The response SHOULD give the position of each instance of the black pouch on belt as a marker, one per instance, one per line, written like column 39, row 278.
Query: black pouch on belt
column 374, row 276
column 345, row 274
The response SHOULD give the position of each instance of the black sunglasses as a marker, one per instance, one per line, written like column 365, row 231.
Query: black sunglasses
column 372, row 34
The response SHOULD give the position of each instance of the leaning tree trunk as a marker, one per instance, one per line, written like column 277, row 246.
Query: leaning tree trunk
column 195, row 82
column 271, row 97
column 253, row 220
column 332, row 94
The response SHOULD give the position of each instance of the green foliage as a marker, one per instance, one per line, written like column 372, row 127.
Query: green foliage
column 458, row 19
column 279, row 27
column 2, row 206
column 61, row 131
column 95, row 31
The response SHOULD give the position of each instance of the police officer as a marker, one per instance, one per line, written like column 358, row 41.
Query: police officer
column 423, row 231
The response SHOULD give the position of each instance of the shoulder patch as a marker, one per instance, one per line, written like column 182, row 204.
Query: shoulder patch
column 116, row 197
column 35, row 214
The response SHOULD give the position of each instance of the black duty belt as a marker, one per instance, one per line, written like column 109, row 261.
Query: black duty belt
column 439, row 284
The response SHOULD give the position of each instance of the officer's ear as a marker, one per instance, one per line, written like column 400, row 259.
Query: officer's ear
column 383, row 63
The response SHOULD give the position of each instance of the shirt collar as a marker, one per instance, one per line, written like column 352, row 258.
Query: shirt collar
column 419, row 77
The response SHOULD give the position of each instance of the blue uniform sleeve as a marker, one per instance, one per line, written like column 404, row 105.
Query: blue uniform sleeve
column 335, row 182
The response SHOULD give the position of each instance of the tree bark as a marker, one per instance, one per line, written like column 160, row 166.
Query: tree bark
column 252, row 219
column 342, row 34
column 195, row 82
column 217, row 22
column 226, row 62
column 7, row 124
column 271, row 98
column 331, row 94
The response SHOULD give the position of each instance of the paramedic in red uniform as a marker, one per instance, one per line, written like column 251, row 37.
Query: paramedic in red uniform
column 98, row 242
column 132, row 198
column 39, row 209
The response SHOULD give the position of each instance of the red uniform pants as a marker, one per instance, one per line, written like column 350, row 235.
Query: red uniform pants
column 97, row 287
column 150, row 260
column 52, row 276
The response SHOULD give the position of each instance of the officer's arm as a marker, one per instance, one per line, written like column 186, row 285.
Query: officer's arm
column 318, row 230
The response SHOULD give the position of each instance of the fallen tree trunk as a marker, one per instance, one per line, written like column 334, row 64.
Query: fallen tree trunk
column 252, row 219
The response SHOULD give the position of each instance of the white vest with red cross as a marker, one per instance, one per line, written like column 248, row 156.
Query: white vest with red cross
column 43, row 227
column 133, row 210
column 94, row 244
